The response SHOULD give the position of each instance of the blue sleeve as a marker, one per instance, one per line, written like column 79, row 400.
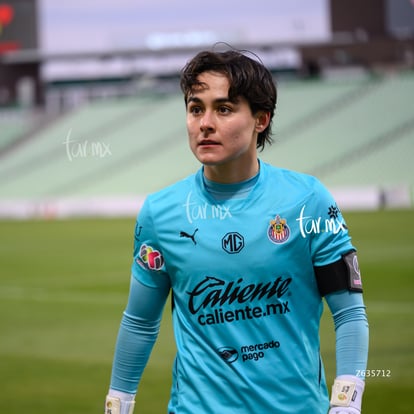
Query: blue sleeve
column 137, row 334
column 148, row 265
column 330, row 238
column 352, row 331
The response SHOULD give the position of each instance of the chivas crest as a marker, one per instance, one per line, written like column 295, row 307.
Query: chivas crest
column 278, row 231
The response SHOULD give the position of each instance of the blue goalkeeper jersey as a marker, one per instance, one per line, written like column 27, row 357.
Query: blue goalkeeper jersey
column 246, row 305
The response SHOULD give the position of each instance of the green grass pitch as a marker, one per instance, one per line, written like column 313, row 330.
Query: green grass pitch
column 63, row 288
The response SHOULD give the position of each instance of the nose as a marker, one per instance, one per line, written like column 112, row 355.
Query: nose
column 207, row 123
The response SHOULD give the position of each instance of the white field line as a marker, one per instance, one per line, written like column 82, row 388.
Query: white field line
column 17, row 293
column 392, row 307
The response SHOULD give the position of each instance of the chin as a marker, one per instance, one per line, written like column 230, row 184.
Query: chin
column 208, row 159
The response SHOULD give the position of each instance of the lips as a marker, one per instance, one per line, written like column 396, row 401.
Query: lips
column 208, row 142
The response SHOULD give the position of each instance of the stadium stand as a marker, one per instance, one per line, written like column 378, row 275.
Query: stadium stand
column 13, row 125
column 371, row 118
column 348, row 133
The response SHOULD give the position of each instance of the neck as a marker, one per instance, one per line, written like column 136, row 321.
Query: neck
column 227, row 174
column 236, row 191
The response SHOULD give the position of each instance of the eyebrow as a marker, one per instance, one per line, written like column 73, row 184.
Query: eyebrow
column 216, row 101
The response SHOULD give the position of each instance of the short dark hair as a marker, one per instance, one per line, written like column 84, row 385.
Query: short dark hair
column 248, row 78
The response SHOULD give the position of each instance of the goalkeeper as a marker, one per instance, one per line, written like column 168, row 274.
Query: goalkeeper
column 249, row 252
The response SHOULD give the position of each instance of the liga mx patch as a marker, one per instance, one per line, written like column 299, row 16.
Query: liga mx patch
column 150, row 258
column 354, row 274
column 278, row 231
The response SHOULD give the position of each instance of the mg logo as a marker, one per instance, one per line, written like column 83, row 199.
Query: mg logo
column 232, row 242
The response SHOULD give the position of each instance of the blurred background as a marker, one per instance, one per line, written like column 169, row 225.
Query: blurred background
column 91, row 117
column 92, row 120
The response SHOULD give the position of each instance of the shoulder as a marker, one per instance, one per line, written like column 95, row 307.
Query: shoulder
column 292, row 189
column 171, row 195
column 290, row 180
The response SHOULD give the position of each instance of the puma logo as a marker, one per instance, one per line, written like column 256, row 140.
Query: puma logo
column 189, row 236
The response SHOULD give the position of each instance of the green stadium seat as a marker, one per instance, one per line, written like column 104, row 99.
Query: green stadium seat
column 346, row 133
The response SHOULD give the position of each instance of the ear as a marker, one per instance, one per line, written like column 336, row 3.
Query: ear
column 262, row 121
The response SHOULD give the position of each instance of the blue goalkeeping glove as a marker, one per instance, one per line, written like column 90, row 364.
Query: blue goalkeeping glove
column 346, row 395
